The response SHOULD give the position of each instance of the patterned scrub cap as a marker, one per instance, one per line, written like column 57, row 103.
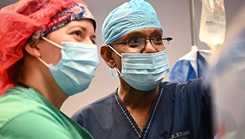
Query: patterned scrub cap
column 74, row 12
column 28, row 20
column 132, row 15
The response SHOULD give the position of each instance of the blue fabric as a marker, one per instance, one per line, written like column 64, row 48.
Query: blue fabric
column 182, row 72
column 180, row 110
column 132, row 15
column 192, row 65
column 202, row 63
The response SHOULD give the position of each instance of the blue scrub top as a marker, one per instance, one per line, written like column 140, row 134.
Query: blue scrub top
column 179, row 111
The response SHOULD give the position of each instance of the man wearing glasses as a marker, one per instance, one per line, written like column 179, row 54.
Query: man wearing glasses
column 144, row 107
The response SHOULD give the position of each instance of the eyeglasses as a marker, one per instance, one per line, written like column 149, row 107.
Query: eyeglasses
column 139, row 43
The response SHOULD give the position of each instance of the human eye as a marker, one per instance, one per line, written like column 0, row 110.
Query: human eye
column 77, row 33
column 157, row 40
column 133, row 42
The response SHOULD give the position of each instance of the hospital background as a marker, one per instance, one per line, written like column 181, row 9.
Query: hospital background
column 174, row 16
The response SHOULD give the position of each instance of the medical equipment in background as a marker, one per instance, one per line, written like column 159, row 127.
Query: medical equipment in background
column 213, row 23
column 193, row 64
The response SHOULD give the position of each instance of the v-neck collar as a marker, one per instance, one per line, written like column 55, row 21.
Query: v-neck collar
column 146, row 130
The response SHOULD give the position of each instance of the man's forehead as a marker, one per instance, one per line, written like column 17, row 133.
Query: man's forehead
column 143, row 32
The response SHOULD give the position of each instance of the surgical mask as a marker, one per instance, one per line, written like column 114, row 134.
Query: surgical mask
column 144, row 72
column 75, row 70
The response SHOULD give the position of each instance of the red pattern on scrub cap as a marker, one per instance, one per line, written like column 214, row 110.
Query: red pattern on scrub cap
column 21, row 21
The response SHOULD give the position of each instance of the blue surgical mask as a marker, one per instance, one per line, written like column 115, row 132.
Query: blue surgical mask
column 144, row 72
column 75, row 70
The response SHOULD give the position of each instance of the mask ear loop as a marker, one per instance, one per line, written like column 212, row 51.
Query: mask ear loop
column 51, row 42
column 43, row 62
column 114, row 50
column 55, row 44
column 111, row 70
column 114, row 76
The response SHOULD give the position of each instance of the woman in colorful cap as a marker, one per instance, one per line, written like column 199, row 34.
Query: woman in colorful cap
column 47, row 54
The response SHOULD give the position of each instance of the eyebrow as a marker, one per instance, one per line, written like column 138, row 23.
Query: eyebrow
column 156, row 32
column 134, row 33
column 79, row 26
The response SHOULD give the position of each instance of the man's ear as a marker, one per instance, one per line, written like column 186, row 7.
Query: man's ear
column 106, row 54
column 34, row 51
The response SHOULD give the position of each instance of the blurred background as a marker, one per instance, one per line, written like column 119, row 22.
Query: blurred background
column 174, row 16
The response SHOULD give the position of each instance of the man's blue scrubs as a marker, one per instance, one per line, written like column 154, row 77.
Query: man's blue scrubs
column 181, row 111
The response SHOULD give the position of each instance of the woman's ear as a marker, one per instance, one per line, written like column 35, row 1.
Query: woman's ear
column 34, row 51
column 106, row 54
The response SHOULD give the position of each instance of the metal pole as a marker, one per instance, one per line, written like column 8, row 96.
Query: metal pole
column 193, row 27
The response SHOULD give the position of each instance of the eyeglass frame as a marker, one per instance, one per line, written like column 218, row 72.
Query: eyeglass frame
column 127, row 41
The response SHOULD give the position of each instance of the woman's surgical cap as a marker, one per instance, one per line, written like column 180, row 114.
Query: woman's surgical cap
column 28, row 20
column 132, row 15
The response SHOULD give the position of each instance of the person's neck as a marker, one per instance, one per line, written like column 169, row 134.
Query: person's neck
column 43, row 82
column 53, row 94
column 138, row 103
column 137, row 99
